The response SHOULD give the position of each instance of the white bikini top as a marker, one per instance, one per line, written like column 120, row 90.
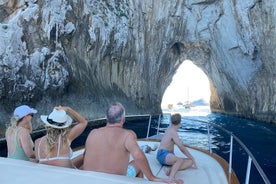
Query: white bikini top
column 57, row 157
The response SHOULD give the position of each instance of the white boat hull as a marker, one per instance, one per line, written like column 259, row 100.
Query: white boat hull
column 17, row 171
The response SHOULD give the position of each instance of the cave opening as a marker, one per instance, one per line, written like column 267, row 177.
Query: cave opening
column 189, row 89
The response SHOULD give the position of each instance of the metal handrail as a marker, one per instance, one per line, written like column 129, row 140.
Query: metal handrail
column 251, row 158
column 250, row 155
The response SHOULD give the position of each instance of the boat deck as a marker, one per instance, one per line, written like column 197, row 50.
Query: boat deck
column 17, row 171
column 209, row 170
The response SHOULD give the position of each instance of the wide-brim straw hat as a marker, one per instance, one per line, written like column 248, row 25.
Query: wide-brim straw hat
column 57, row 119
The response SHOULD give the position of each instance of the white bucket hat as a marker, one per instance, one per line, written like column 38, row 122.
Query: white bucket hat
column 57, row 119
column 22, row 111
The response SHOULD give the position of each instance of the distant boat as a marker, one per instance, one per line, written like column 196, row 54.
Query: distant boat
column 170, row 106
column 187, row 105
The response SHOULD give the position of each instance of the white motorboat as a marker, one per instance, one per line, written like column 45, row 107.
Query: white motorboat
column 17, row 171
column 212, row 169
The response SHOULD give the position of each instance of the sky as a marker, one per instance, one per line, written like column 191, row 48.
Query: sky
column 189, row 83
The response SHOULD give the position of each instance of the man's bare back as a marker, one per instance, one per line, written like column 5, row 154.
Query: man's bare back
column 108, row 149
column 111, row 155
column 167, row 142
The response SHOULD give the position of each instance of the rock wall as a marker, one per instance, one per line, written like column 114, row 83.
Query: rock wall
column 89, row 53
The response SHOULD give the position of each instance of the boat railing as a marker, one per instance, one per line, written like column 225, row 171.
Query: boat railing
column 251, row 158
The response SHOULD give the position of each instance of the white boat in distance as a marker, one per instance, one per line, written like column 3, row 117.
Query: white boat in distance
column 212, row 169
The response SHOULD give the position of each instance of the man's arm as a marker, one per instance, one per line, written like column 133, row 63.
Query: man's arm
column 182, row 148
column 79, row 127
column 140, row 158
column 26, row 143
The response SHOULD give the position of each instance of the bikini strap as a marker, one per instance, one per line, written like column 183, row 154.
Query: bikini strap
column 59, row 139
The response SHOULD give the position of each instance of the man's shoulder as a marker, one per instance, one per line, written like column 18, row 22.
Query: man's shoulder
column 130, row 134
column 104, row 130
column 170, row 133
column 130, row 131
column 171, row 130
column 96, row 130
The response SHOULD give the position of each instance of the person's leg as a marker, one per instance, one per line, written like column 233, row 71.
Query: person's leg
column 187, row 163
column 177, row 164
column 175, row 167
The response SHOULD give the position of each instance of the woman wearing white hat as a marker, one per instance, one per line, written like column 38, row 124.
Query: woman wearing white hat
column 54, row 148
column 19, row 142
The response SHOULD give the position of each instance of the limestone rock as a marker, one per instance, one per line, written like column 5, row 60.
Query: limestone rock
column 88, row 53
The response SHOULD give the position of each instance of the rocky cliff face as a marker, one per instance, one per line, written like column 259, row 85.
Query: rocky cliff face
column 88, row 53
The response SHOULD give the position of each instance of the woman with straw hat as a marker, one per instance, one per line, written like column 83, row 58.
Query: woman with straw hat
column 54, row 148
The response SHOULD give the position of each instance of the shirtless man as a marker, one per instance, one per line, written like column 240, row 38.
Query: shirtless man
column 165, row 154
column 108, row 149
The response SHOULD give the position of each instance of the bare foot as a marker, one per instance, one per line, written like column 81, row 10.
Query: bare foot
column 167, row 170
column 179, row 181
column 176, row 181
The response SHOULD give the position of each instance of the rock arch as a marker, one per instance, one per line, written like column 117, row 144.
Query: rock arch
column 129, row 51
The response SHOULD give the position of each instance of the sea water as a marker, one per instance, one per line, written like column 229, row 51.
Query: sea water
column 258, row 137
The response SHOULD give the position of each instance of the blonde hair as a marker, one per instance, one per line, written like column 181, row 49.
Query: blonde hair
column 52, row 138
column 13, row 124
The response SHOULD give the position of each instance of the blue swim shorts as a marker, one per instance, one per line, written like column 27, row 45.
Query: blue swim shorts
column 161, row 156
column 131, row 171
